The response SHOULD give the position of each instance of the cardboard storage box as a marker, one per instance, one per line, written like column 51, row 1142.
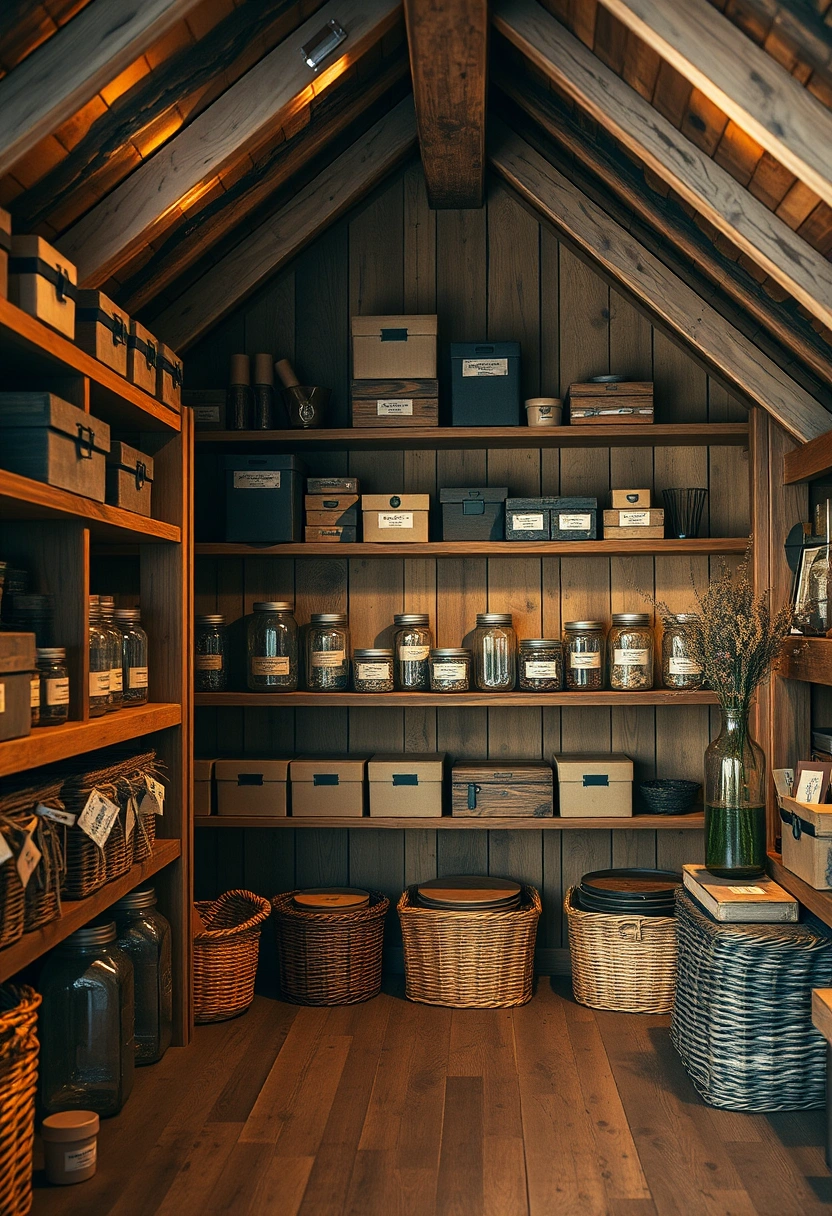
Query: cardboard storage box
column 595, row 785
column 325, row 786
column 207, row 406
column 395, row 518
column 474, row 514
column 644, row 523
column 481, row 788
column 101, row 329
column 252, row 787
column 129, row 478
column 394, row 347
column 141, row 358
column 5, row 246
column 806, row 836
column 573, row 518
column 406, row 785
column 611, row 404
column 203, row 788
column 47, row 439
column 395, row 402
column 485, row 383
column 263, row 496
column 527, row 519
column 626, row 500
column 43, row 283
column 334, row 533
column 168, row 377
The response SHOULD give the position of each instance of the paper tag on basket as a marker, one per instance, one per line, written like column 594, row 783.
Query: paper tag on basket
column 97, row 818
column 130, row 818
column 157, row 792
column 28, row 859
column 5, row 851
column 52, row 812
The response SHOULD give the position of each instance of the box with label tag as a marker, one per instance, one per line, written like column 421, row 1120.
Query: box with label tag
column 17, row 663
column 395, row 518
column 399, row 347
column 485, row 383
column 263, row 499
column 512, row 788
column 407, row 785
column 252, row 787
column 332, row 485
column 395, row 402
column 573, row 518
column 527, row 519
column 645, row 523
column 207, row 405
column 328, row 786
column 595, row 786
column 477, row 513
column 330, row 534
column 611, row 402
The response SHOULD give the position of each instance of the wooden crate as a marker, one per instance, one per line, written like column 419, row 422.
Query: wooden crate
column 168, row 377
column 102, row 329
column 142, row 350
column 43, row 283
column 512, row 788
column 129, row 478
column 395, row 403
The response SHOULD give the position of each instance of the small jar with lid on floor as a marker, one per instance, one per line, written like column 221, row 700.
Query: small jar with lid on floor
column 630, row 650
column 134, row 660
column 328, row 652
column 144, row 936
column 272, row 645
column 495, row 652
column 583, row 655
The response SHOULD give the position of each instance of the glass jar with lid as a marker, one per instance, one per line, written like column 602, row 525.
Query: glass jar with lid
column 100, row 645
column 372, row 669
column 108, row 607
column 133, row 655
column 272, row 644
column 450, row 669
column 541, row 664
column 34, row 697
column 583, row 655
column 144, row 936
column 679, row 669
column 328, row 652
column 210, row 672
column 412, row 645
column 53, row 678
column 86, row 1025
column 495, row 652
column 630, row 649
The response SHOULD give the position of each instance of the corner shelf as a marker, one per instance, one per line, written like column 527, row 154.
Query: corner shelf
column 807, row 659
column 818, row 902
column 492, row 548
column 438, row 700
column 24, row 498
column 484, row 824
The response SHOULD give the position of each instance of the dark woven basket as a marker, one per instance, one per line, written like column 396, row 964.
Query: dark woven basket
column 12, row 896
column 742, row 1017
column 329, row 958
column 42, row 900
column 670, row 797
column 226, row 954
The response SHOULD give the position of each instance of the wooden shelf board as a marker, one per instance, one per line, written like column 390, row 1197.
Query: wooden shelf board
column 23, row 498
column 807, row 659
column 810, row 460
column 77, row 913
column 493, row 548
column 694, row 434
column 554, row 823
column 46, row 745
column 31, row 352
column 819, row 902
column 486, row 700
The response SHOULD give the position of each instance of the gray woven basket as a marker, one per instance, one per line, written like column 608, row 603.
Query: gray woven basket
column 742, row 1017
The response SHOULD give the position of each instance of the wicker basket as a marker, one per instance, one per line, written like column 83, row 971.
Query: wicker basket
column 18, row 1083
column 476, row 960
column 12, row 895
column 226, row 953
column 742, row 1019
column 18, row 804
column 627, row 963
column 329, row 958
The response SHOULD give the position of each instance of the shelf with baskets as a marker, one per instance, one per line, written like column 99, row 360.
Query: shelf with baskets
column 486, row 824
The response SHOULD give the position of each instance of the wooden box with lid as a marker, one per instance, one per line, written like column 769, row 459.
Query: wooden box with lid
column 481, row 788
column 395, row 402
column 328, row 786
column 102, row 329
column 47, row 439
column 168, row 377
column 594, row 785
column 406, row 784
column 611, row 402
column 43, row 283
column 394, row 347
column 142, row 350
column 473, row 513
column 17, row 662
column 129, row 478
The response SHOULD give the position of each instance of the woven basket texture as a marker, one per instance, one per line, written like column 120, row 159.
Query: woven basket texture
column 17, row 806
column 627, row 963
column 329, row 958
column 742, row 1020
column 226, row 953
column 469, row 960
column 18, row 1083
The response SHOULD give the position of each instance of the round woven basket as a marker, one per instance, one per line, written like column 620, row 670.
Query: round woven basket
column 469, row 960
column 18, row 1083
column 226, row 953
column 329, row 958
column 667, row 796
column 627, row 963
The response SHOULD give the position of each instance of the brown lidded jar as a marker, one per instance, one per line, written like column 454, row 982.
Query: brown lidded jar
column 70, row 1145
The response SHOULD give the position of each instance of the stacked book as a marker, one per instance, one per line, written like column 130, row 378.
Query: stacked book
column 740, row 902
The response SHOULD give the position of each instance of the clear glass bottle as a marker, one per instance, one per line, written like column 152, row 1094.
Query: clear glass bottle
column 210, row 668
column 583, row 655
column 53, row 678
column 450, row 669
column 412, row 646
column 679, row 670
column 108, row 607
column 86, row 1024
column 735, row 800
column 272, row 643
column 99, row 661
column 541, row 664
column 133, row 655
column 144, row 935
column 328, row 652
column 372, row 670
column 495, row 652
column 630, row 650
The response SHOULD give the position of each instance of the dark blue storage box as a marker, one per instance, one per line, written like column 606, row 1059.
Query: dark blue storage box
column 485, row 383
column 264, row 499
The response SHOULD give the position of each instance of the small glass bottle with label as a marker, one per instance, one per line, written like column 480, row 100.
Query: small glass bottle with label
column 328, row 652
column 630, row 648
column 541, row 665
column 54, row 686
column 583, row 655
column 34, row 698
column 679, row 670
column 133, row 655
column 272, row 644
column 412, row 647
column 210, row 674
column 99, row 640
column 372, row 670
column 450, row 669
column 108, row 607
column 495, row 650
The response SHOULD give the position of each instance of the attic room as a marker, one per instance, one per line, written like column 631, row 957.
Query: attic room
column 415, row 635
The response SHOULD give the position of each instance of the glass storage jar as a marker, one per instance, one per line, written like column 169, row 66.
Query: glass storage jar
column 34, row 698
column 372, row 670
column 495, row 650
column 450, row 669
column 87, row 1053
column 272, row 644
column 412, row 645
column 583, row 655
column 100, row 643
column 108, row 607
column 630, row 650
column 541, row 665
column 133, row 655
column 54, row 685
column 679, row 670
column 144, row 936
column 328, row 652
column 210, row 672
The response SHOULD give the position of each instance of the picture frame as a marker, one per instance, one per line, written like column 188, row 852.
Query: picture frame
column 811, row 612
column 812, row 780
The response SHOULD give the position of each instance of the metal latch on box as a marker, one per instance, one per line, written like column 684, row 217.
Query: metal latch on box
column 323, row 43
column 473, row 790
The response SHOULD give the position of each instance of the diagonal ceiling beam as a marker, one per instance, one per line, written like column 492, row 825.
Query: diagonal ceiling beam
column 656, row 288
column 333, row 192
column 60, row 77
column 748, row 223
column 266, row 97
column 448, row 41
column 746, row 83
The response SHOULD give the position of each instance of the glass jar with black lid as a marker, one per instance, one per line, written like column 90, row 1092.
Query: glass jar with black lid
column 272, row 645
column 210, row 671
column 328, row 652
column 583, row 655
column 412, row 646
column 541, row 664
column 495, row 652
column 54, row 685
column 144, row 936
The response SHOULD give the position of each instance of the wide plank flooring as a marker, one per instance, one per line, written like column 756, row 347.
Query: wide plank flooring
column 397, row 1109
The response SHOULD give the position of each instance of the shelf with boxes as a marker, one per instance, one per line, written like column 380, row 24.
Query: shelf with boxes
column 456, row 549
column 644, row 823
column 485, row 700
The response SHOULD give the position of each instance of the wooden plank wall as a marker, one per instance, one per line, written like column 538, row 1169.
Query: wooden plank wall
column 494, row 273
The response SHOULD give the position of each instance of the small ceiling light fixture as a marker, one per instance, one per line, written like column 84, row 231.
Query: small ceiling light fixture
column 324, row 42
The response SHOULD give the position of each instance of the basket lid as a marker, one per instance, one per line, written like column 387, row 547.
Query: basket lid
column 638, row 892
column 470, row 892
column 331, row 899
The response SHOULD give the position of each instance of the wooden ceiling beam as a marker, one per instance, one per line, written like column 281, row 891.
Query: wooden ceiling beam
column 788, row 258
column 738, row 76
column 801, row 26
column 266, row 97
column 271, row 246
column 60, row 77
column 611, row 248
column 448, row 41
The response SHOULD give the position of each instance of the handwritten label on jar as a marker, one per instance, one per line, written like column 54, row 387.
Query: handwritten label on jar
column 444, row 673
column 137, row 677
column 328, row 658
column 57, row 691
column 583, row 662
column 80, row 1158
column 683, row 667
column 574, row 523
column 527, row 523
column 413, row 654
column 208, row 662
column 541, row 669
column 395, row 519
column 634, row 519
column 100, row 683
column 394, row 407
column 34, row 693
column 264, row 479
column 485, row 367
column 116, row 679
column 97, row 818
column 630, row 658
column 372, row 671
column 270, row 666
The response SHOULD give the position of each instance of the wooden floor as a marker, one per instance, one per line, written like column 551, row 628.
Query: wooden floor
column 396, row 1109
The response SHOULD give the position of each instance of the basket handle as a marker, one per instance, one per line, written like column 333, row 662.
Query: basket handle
column 630, row 931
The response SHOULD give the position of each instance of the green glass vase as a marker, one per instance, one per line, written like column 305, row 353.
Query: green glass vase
column 735, row 803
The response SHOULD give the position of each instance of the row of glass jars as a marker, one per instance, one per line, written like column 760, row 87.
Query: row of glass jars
column 118, row 657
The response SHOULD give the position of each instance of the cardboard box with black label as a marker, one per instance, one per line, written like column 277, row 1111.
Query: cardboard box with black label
column 252, row 787
column 594, row 785
column 406, row 785
column 328, row 786
column 398, row 347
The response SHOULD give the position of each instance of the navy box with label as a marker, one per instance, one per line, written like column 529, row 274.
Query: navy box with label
column 263, row 499
column 485, row 383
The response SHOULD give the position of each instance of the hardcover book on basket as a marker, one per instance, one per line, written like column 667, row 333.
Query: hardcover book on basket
column 733, row 901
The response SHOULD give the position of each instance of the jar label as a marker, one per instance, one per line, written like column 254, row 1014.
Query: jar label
column 542, row 669
column 633, row 519
column 57, row 691
column 97, row 818
column 372, row 671
column 262, row 479
column 208, row 662
column 413, row 654
column 100, row 683
column 630, row 658
column 527, row 523
column 583, row 662
column 395, row 519
column 575, row 523
column 270, row 665
column 683, row 667
column 80, row 1158
column 485, row 367
column 34, row 693
column 328, row 658
column 116, row 679
column 445, row 673
column 394, row 407
column 137, row 677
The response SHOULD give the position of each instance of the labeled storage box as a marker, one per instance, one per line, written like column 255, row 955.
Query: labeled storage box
column 595, row 786
column 336, row 533
column 203, row 788
column 252, row 787
column 263, row 496
column 611, row 403
column 17, row 662
column 481, row 788
column 395, row 518
column 207, row 406
column 573, row 518
column 527, row 519
column 332, row 485
column 395, row 402
column 102, row 329
column 47, row 439
column 485, row 383
column 406, row 785
column 141, row 358
column 5, row 246
column 627, row 500
column 324, row 786
column 129, row 478
column 43, row 283
column 324, row 510
column 642, row 523
column 394, row 347
column 806, row 833
column 168, row 377
column 473, row 514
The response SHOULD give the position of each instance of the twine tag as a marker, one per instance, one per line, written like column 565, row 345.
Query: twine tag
column 28, row 859
column 130, row 820
column 156, row 793
column 52, row 812
column 97, row 818
column 5, row 851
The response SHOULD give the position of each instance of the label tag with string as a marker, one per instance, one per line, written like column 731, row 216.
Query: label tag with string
column 130, row 822
column 97, row 818
column 28, row 859
column 5, row 852
column 156, row 791
column 52, row 812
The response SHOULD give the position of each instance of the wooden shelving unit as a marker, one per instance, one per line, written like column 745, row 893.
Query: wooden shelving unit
column 493, row 548
column 22, row 498
column 808, row 660
column 458, row 700
column 819, row 902
column 646, row 823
